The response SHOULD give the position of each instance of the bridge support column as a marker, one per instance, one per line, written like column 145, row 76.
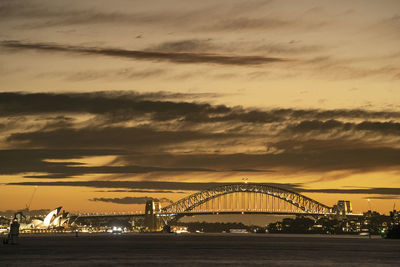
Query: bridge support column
column 151, row 221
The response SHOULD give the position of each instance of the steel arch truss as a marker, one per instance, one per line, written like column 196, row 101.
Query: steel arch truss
column 304, row 204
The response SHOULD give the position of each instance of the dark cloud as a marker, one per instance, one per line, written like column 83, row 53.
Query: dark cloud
column 295, row 140
column 306, row 126
column 336, row 113
column 311, row 156
column 160, row 106
column 131, row 105
column 145, row 55
column 67, row 169
column 158, row 185
column 131, row 200
column 113, row 137
column 15, row 103
column 40, row 161
column 387, row 127
column 291, row 155
column 192, row 45
column 377, row 191
column 141, row 191
column 35, row 161
column 154, row 185
column 336, row 154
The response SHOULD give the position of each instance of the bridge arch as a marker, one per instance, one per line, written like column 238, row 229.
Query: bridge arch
column 303, row 204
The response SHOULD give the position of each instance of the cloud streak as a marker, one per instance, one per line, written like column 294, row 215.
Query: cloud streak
column 386, row 127
column 154, row 185
column 313, row 156
column 141, row 191
column 174, row 57
column 187, row 186
column 131, row 200
column 116, row 137
column 28, row 161
column 36, row 161
column 166, row 106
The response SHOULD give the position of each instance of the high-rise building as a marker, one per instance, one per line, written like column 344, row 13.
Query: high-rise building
column 343, row 207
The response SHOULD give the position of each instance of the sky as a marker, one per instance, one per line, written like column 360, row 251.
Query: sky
column 105, row 104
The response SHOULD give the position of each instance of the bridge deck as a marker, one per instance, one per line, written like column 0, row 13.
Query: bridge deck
column 202, row 213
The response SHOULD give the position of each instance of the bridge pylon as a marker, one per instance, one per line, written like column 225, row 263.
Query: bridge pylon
column 151, row 221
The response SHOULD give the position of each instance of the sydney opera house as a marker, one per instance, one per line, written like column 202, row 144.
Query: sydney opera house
column 53, row 220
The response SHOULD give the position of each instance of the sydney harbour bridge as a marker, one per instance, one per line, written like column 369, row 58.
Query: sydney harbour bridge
column 241, row 198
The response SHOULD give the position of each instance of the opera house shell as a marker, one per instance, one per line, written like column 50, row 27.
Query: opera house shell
column 54, row 219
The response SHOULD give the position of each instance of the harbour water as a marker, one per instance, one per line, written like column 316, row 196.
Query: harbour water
column 199, row 250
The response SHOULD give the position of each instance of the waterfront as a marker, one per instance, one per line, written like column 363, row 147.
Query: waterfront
column 200, row 249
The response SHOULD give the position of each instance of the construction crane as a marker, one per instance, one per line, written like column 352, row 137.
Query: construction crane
column 30, row 200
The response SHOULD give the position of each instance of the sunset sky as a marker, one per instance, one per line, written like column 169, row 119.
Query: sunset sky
column 104, row 104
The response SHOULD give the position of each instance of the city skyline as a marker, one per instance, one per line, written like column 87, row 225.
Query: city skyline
column 106, row 105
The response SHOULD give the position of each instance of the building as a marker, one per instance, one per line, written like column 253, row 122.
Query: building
column 343, row 207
